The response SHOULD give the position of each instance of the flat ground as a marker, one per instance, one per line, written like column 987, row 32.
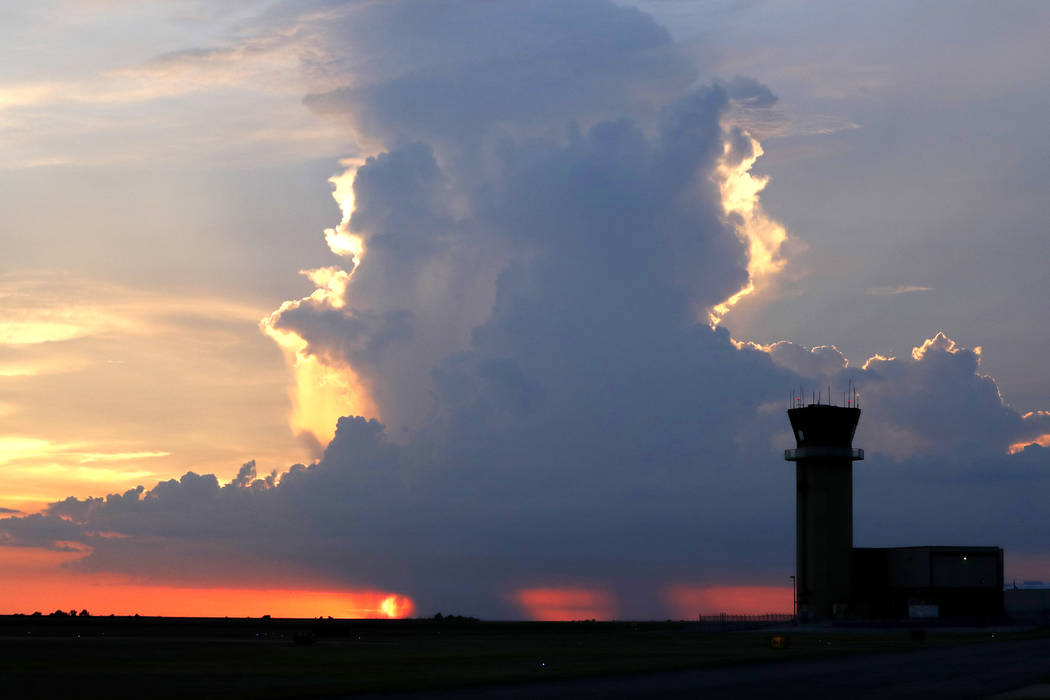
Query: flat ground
column 169, row 657
column 994, row 671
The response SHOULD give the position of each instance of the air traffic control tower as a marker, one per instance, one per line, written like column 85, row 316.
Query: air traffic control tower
column 824, row 508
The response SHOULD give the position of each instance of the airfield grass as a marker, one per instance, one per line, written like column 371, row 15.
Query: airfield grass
column 168, row 658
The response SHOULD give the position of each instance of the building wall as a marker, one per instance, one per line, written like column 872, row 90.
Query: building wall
column 963, row 582
column 967, row 569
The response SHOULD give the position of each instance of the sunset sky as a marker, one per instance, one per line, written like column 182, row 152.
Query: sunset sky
column 556, row 266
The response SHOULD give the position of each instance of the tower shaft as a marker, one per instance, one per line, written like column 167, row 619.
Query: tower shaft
column 824, row 508
column 823, row 537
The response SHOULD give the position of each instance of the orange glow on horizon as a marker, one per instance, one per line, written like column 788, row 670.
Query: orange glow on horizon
column 689, row 601
column 33, row 581
column 565, row 604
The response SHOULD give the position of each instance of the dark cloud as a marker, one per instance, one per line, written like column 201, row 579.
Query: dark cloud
column 404, row 202
column 934, row 402
column 452, row 71
column 41, row 530
column 937, row 402
column 820, row 362
column 750, row 93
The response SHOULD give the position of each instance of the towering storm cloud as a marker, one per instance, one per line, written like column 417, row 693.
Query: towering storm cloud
column 569, row 148
column 518, row 356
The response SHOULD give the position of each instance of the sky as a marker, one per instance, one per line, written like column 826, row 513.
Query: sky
column 386, row 308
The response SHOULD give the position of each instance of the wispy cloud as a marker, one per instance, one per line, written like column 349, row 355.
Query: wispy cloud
column 14, row 448
column 899, row 289
column 42, row 461
column 230, row 92
column 43, row 307
column 120, row 356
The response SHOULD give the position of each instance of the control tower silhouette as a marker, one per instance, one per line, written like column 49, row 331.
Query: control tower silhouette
column 824, row 507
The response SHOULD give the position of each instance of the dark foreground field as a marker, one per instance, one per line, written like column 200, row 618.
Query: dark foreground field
column 103, row 657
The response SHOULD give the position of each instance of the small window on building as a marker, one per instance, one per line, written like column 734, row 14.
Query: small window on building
column 801, row 436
